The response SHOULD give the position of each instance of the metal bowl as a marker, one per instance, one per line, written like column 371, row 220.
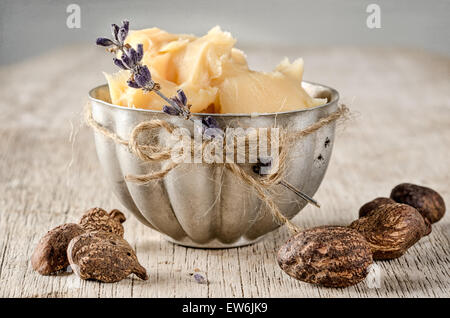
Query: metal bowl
column 204, row 205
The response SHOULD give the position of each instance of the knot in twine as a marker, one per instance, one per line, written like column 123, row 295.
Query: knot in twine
column 155, row 152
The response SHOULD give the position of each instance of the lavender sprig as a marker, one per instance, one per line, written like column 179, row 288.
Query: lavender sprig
column 130, row 59
column 141, row 77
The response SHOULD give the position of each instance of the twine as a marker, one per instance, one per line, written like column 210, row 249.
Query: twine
column 156, row 153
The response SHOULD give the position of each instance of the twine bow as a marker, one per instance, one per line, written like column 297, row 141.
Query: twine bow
column 154, row 152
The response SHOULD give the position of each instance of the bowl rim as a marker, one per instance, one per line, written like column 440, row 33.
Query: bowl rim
column 334, row 99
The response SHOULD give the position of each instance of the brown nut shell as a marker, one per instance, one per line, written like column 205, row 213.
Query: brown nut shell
column 331, row 256
column 97, row 219
column 103, row 256
column 50, row 253
column 391, row 229
column 427, row 201
column 371, row 205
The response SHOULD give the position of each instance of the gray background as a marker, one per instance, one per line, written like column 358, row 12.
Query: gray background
column 30, row 28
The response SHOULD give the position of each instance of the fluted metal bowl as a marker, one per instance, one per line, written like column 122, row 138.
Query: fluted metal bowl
column 204, row 205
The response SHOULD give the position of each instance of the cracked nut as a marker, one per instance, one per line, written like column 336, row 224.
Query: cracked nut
column 375, row 203
column 391, row 229
column 97, row 219
column 331, row 256
column 50, row 254
column 427, row 201
column 103, row 256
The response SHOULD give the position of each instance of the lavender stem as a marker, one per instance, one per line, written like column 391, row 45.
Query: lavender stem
column 304, row 196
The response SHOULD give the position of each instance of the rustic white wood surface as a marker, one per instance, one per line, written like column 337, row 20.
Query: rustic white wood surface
column 49, row 174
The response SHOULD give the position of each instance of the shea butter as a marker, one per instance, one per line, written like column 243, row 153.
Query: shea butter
column 213, row 74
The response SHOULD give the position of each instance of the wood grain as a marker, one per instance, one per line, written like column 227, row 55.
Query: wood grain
column 49, row 174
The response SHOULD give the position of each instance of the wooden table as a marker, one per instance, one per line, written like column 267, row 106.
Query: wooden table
column 50, row 174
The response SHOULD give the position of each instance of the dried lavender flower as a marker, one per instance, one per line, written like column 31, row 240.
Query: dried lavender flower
column 200, row 279
column 104, row 42
column 143, row 77
column 132, row 54
column 210, row 122
column 130, row 58
column 178, row 105
column 119, row 63
column 115, row 30
column 169, row 110
column 132, row 84
column 181, row 100
column 127, row 61
column 123, row 31
column 210, row 128
column 126, row 25
column 122, row 35
column 140, row 51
